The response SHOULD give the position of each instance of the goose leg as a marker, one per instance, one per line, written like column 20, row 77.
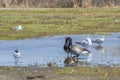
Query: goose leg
column 75, row 58
column 70, row 55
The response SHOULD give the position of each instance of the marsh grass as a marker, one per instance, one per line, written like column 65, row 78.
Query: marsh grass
column 58, row 21
column 90, row 71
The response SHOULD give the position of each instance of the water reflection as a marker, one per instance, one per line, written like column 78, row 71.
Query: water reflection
column 52, row 63
column 83, row 59
column 100, row 49
column 69, row 62
column 16, row 63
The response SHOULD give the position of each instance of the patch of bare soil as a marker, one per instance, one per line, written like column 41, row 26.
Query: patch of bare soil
column 25, row 73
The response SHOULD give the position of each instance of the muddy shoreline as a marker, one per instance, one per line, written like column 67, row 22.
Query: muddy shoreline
column 57, row 73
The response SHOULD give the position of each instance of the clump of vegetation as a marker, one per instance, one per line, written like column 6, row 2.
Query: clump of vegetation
column 48, row 22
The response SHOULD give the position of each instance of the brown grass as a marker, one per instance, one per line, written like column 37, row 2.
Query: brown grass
column 58, row 3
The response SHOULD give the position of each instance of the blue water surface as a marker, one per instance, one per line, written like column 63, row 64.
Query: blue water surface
column 46, row 50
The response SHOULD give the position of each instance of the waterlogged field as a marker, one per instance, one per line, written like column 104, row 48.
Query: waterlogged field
column 58, row 21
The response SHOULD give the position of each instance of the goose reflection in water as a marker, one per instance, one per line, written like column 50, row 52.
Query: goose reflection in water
column 69, row 62
column 84, row 59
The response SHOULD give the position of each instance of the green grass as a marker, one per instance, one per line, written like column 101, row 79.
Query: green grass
column 58, row 21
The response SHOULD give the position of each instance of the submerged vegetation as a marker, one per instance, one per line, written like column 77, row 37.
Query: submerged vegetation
column 58, row 21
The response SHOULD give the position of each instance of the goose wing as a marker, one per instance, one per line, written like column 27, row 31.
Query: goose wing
column 76, row 50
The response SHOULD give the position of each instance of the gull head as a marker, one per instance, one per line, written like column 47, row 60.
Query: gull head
column 89, row 40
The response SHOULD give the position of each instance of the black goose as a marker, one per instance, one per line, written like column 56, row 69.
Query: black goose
column 66, row 46
column 73, row 49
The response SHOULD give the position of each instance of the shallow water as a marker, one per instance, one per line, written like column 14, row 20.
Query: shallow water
column 46, row 50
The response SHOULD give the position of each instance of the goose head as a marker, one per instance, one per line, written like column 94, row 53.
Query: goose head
column 68, row 44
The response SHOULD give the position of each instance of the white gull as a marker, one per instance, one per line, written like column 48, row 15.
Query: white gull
column 19, row 27
column 16, row 55
column 85, row 43
column 99, row 40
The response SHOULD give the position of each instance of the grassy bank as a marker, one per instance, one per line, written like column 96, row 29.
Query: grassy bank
column 58, row 21
column 68, row 73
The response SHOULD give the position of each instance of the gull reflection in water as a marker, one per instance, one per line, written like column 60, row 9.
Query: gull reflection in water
column 100, row 49
column 16, row 62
